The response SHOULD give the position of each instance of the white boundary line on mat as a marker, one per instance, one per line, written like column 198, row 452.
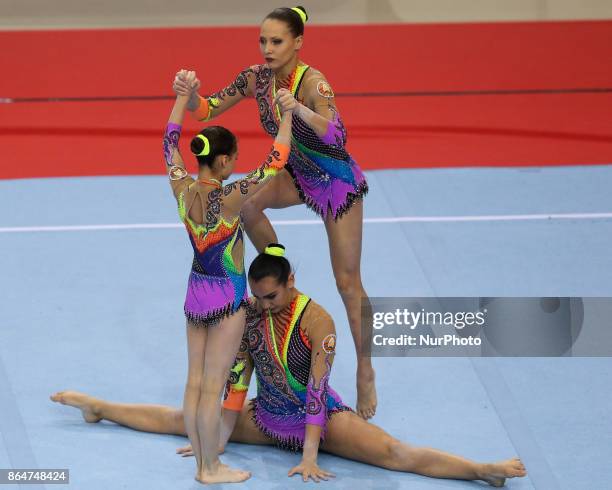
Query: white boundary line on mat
column 392, row 219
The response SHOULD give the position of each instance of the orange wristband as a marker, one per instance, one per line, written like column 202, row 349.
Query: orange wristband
column 284, row 151
column 202, row 113
column 235, row 400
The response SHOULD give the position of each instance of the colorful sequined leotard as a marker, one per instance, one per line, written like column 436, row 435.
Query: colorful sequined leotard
column 217, row 282
column 288, row 395
column 326, row 177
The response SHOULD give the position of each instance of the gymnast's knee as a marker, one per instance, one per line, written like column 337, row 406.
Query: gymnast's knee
column 400, row 456
column 212, row 386
column 177, row 422
column 251, row 209
column 348, row 284
column 393, row 453
column 194, row 384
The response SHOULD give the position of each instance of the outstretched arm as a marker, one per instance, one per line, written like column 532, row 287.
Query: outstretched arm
column 208, row 107
column 322, row 335
column 239, row 191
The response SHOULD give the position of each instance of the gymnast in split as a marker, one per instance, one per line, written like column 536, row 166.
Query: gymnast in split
column 320, row 172
column 216, row 291
column 289, row 343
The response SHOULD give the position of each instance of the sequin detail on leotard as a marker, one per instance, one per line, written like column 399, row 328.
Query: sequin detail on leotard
column 282, row 371
column 326, row 177
column 217, row 284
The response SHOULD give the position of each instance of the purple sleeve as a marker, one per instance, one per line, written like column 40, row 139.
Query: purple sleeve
column 316, row 398
column 171, row 140
column 335, row 132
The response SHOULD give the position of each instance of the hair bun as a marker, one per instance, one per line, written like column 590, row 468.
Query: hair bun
column 205, row 145
column 197, row 145
column 275, row 249
column 301, row 11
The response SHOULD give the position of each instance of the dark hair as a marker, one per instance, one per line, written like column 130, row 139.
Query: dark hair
column 222, row 142
column 291, row 18
column 266, row 265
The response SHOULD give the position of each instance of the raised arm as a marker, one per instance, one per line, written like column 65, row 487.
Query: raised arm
column 179, row 177
column 322, row 335
column 208, row 107
column 240, row 190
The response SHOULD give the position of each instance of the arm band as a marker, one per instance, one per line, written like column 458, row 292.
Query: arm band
column 202, row 113
column 236, row 389
column 235, row 399
column 280, row 154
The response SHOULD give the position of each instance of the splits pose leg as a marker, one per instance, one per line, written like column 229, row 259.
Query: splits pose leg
column 348, row 436
column 351, row 437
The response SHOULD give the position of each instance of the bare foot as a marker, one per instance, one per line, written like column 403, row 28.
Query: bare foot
column 86, row 403
column 223, row 474
column 495, row 474
column 366, row 393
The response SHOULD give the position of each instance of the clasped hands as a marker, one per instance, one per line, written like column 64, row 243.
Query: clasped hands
column 187, row 84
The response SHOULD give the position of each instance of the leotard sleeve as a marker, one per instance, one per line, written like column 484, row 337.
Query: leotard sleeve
column 240, row 190
column 178, row 175
column 322, row 335
column 215, row 104
column 321, row 117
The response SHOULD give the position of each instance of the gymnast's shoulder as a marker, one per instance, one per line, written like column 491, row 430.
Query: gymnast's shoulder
column 316, row 318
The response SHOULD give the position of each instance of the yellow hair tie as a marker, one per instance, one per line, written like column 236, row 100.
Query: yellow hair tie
column 206, row 150
column 301, row 13
column 275, row 251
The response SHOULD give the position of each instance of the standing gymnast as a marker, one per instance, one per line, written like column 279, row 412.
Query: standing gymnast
column 319, row 173
column 216, row 292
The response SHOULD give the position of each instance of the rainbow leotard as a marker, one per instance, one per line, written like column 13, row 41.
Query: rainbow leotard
column 283, row 373
column 326, row 177
column 217, row 283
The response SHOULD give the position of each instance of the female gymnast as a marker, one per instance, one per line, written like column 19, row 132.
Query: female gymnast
column 319, row 173
column 216, row 291
column 290, row 342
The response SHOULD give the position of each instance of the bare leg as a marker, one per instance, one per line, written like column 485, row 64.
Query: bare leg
column 147, row 418
column 279, row 193
column 160, row 419
column 221, row 348
column 351, row 437
column 245, row 432
column 344, row 238
column 196, row 345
